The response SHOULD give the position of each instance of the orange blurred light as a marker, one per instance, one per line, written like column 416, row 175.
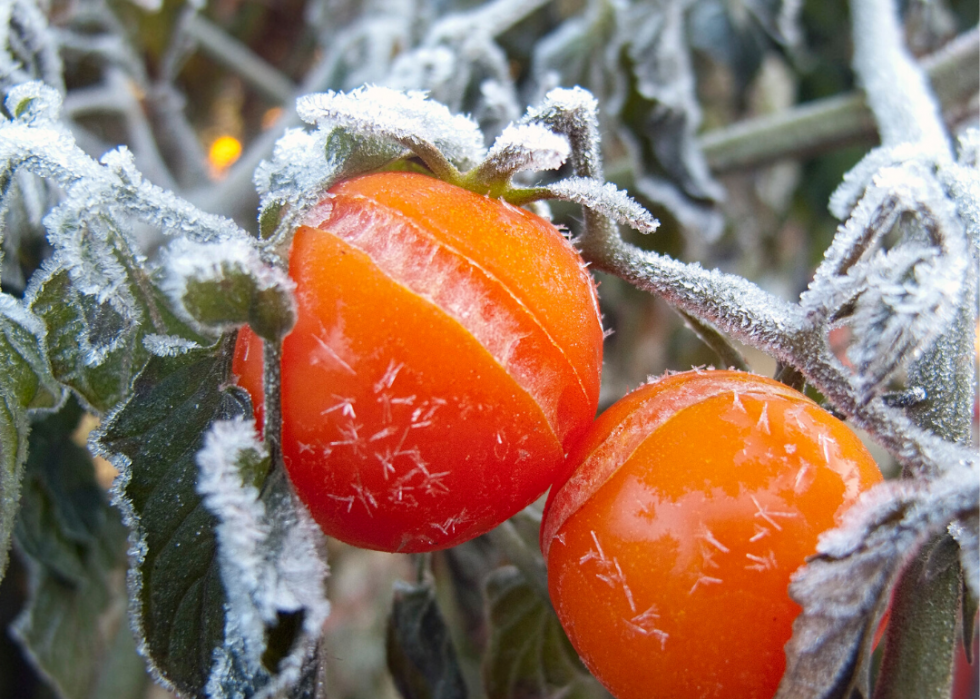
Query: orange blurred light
column 225, row 150
column 270, row 117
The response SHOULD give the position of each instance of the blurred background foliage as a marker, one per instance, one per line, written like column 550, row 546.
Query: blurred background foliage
column 768, row 223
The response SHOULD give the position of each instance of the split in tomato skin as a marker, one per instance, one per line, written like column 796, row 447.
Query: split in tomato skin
column 671, row 547
column 429, row 388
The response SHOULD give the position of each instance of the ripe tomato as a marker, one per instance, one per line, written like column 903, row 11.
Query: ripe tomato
column 446, row 355
column 671, row 547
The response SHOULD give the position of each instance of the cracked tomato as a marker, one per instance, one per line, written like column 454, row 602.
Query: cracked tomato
column 670, row 548
column 446, row 356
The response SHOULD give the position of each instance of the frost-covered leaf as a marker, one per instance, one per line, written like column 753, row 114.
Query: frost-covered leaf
column 574, row 114
column 28, row 48
column 523, row 147
column 420, row 652
column 25, row 383
column 13, row 451
column 528, row 653
column 305, row 165
column 179, row 601
column 902, row 298
column 649, row 118
column 25, row 368
column 227, row 584
column 95, row 296
column 221, row 286
column 845, row 588
column 93, row 348
column 272, row 565
column 407, row 118
column 605, row 199
column 74, row 628
column 892, row 312
column 656, row 39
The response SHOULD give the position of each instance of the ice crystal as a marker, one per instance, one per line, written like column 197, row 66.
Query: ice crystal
column 271, row 561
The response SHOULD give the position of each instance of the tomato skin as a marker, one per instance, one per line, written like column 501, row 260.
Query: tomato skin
column 670, row 548
column 446, row 356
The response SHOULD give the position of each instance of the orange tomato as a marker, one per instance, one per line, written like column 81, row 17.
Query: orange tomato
column 671, row 547
column 446, row 356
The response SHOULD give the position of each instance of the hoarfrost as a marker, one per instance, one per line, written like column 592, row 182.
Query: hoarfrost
column 408, row 118
column 168, row 345
column 606, row 199
column 28, row 48
column 526, row 147
column 903, row 298
column 220, row 286
column 574, row 113
column 271, row 560
column 845, row 588
column 33, row 103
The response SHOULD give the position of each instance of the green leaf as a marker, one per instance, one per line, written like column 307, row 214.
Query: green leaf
column 13, row 451
column 269, row 554
column 420, row 652
column 92, row 347
column 97, row 342
column 25, row 383
column 224, row 285
column 74, row 628
column 179, row 599
column 528, row 654
column 26, row 371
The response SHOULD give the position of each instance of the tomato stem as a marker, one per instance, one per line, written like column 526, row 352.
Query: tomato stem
column 506, row 538
column 272, row 425
column 921, row 638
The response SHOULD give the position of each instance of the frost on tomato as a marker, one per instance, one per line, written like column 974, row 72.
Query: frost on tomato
column 446, row 355
column 670, row 548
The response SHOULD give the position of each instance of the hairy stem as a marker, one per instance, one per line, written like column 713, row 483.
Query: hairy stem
column 918, row 655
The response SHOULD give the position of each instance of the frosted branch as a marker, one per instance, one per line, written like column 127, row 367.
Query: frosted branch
column 898, row 94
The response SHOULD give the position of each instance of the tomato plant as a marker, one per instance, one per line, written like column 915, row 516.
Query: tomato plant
column 671, row 547
column 435, row 377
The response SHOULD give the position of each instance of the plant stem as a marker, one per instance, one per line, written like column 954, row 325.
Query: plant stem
column 918, row 655
column 272, row 424
column 529, row 562
column 835, row 121
column 241, row 60
column 918, row 660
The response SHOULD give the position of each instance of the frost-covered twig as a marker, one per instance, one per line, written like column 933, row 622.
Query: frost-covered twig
column 816, row 126
column 899, row 97
column 36, row 142
column 116, row 94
